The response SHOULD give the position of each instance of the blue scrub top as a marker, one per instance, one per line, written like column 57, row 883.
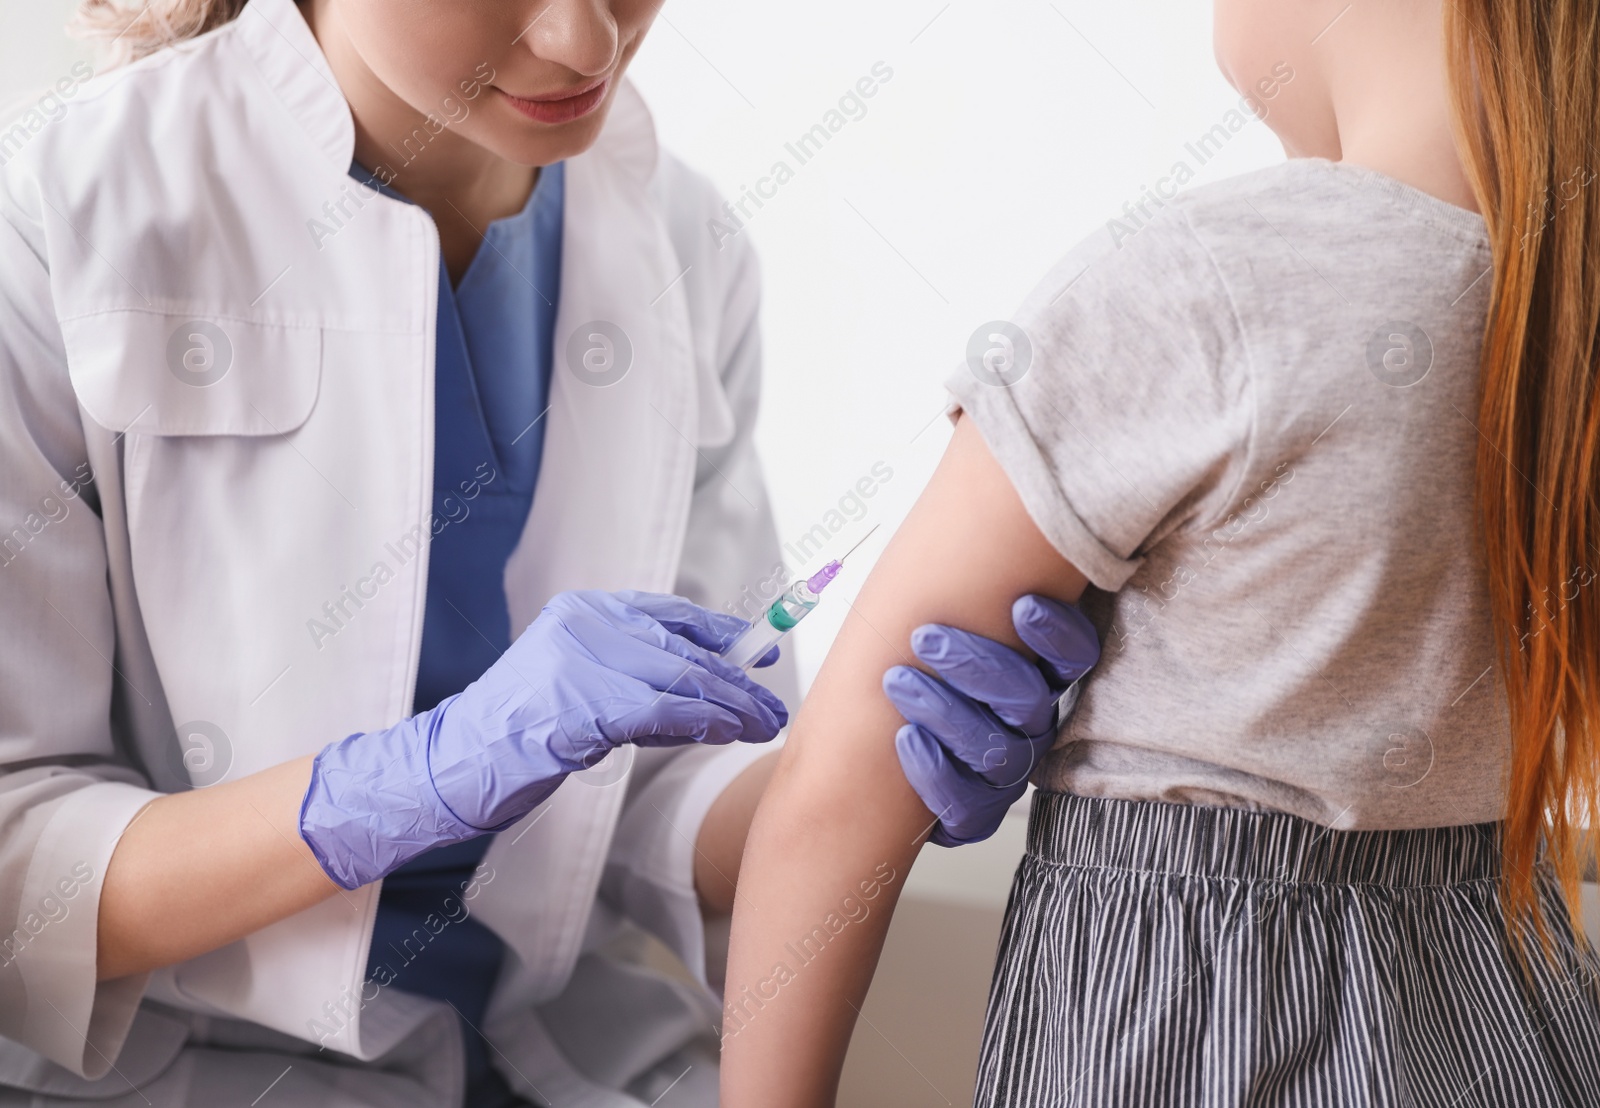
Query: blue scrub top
column 491, row 383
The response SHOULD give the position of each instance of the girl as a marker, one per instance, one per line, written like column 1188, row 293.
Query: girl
column 1313, row 834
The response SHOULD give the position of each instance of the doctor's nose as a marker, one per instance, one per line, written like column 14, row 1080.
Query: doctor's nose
column 579, row 34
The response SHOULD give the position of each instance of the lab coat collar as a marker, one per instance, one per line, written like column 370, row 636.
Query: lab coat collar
column 277, row 38
column 628, row 139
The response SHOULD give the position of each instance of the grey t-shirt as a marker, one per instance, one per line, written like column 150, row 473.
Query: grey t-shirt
column 1249, row 421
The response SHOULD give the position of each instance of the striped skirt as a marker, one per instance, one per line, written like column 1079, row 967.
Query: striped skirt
column 1164, row 954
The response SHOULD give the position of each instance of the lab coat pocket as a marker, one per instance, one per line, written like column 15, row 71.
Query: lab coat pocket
column 175, row 374
column 228, row 511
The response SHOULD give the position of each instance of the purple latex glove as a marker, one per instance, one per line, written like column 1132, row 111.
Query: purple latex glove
column 972, row 739
column 595, row 671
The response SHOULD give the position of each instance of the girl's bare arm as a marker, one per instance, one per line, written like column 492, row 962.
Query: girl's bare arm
column 839, row 826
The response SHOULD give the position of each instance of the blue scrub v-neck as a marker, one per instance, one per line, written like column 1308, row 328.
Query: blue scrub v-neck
column 493, row 358
column 491, row 380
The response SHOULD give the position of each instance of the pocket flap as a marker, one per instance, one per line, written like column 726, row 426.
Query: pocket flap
column 165, row 374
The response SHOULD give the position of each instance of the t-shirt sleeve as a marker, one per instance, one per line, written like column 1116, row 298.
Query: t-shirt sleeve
column 1117, row 398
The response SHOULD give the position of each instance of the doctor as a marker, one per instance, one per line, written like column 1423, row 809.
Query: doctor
column 337, row 341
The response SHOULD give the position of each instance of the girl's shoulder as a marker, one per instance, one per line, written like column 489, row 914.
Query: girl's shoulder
column 1324, row 199
column 1263, row 250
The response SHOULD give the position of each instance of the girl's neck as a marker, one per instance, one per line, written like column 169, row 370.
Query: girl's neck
column 1434, row 168
column 1389, row 86
column 1408, row 138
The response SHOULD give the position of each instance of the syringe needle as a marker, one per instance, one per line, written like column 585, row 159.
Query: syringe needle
column 857, row 546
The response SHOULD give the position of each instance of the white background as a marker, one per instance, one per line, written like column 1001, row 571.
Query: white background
column 1009, row 130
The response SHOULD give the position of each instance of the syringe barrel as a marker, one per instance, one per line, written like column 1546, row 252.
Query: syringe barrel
column 781, row 617
column 792, row 606
column 753, row 645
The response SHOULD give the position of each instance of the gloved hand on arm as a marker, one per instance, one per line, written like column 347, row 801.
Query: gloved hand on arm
column 595, row 671
column 973, row 738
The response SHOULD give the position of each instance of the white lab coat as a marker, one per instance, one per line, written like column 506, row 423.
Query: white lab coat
column 178, row 588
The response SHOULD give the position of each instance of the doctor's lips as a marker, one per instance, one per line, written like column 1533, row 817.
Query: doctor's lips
column 561, row 107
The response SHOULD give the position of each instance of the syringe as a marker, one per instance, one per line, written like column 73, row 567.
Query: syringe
column 785, row 613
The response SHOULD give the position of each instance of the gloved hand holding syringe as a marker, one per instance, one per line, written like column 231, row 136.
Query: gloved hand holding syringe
column 786, row 612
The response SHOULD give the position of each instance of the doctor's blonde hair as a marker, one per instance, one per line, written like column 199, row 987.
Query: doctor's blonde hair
column 131, row 29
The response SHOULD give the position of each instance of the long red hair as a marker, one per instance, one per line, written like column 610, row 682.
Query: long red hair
column 1525, row 80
